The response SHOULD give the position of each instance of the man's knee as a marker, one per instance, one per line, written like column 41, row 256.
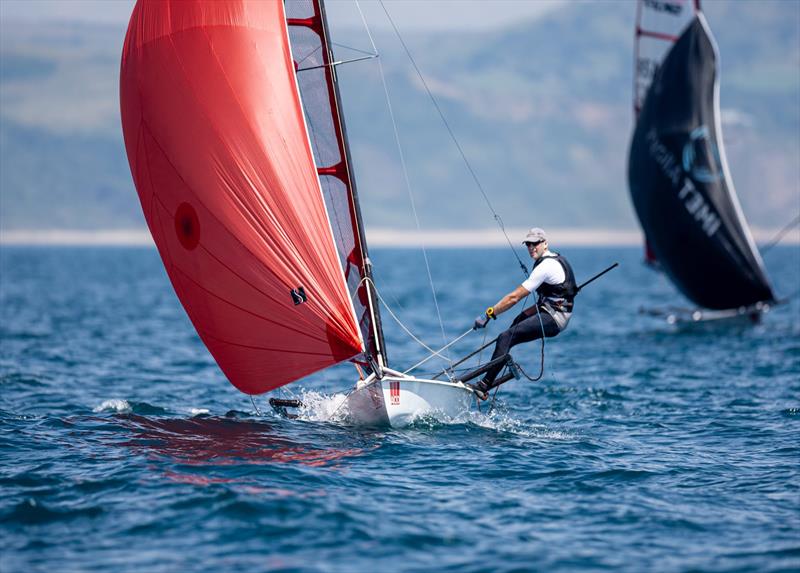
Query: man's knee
column 505, row 338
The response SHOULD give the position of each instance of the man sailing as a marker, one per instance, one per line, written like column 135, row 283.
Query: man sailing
column 554, row 283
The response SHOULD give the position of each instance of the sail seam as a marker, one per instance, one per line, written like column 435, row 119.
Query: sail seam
column 269, row 349
column 241, row 308
column 253, row 220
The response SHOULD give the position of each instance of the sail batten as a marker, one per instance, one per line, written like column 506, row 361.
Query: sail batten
column 215, row 135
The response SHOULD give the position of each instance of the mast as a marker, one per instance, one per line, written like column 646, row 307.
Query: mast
column 367, row 266
column 316, row 75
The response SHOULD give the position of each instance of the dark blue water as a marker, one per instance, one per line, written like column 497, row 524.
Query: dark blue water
column 645, row 447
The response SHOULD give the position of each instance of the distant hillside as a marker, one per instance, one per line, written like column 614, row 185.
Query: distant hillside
column 541, row 109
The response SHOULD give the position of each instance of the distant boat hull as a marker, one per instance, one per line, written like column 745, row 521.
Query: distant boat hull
column 397, row 400
column 694, row 318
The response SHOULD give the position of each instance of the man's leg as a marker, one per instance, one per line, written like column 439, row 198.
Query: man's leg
column 523, row 329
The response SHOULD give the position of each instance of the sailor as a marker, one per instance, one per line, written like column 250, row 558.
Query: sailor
column 553, row 282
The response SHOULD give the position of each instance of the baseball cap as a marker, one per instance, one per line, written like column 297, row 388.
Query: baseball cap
column 535, row 235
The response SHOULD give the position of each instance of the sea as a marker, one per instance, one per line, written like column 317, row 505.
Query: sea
column 645, row 445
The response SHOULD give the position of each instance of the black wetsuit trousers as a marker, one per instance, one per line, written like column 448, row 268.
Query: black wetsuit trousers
column 526, row 327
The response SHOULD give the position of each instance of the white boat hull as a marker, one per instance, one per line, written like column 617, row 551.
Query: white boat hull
column 397, row 400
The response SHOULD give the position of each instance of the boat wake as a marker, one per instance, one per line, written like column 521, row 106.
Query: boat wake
column 318, row 407
column 115, row 405
column 121, row 406
column 503, row 422
column 332, row 408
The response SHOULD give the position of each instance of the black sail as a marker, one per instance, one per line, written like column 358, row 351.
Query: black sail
column 680, row 185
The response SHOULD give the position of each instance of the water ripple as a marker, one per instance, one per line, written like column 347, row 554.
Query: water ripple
column 643, row 448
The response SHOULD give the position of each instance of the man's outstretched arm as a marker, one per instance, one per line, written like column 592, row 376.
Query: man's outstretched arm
column 510, row 299
column 502, row 305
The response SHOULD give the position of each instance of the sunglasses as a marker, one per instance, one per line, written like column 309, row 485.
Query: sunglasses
column 530, row 244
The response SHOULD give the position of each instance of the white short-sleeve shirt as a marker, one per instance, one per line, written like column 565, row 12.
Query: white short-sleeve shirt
column 548, row 271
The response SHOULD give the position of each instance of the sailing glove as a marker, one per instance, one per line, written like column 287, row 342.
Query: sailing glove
column 480, row 322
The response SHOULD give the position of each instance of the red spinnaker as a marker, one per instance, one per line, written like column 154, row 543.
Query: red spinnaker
column 221, row 160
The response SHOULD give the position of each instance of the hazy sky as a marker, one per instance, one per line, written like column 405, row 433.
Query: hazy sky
column 408, row 14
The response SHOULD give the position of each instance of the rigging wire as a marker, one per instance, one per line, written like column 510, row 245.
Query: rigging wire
column 780, row 234
column 403, row 326
column 338, row 63
column 359, row 50
column 343, row 402
column 407, row 330
column 407, row 180
column 497, row 217
column 449, row 344
column 474, row 176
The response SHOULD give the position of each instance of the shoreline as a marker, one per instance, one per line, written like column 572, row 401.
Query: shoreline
column 381, row 238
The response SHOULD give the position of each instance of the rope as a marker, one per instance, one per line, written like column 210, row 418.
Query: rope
column 516, row 364
column 474, row 176
column 451, row 343
column 405, row 177
column 777, row 238
column 252, row 401
column 344, row 401
column 541, row 364
column 400, row 322
column 497, row 217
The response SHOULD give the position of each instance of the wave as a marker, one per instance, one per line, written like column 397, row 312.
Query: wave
column 121, row 406
column 30, row 511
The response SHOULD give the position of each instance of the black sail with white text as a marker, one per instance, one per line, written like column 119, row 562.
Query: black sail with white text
column 680, row 185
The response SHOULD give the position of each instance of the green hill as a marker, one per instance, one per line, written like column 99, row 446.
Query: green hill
column 541, row 109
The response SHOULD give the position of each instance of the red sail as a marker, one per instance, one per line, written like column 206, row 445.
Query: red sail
column 221, row 160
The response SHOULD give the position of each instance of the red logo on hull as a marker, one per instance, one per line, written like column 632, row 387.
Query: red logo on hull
column 394, row 393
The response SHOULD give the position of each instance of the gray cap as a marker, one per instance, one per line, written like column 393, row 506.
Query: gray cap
column 534, row 236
